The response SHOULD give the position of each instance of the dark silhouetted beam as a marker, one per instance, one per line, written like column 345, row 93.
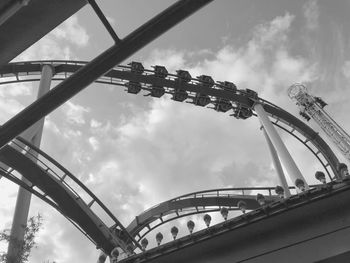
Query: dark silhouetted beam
column 10, row 9
column 104, row 20
column 97, row 67
column 23, row 27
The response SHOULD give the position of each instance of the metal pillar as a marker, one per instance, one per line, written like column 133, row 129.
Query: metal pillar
column 23, row 197
column 287, row 160
column 277, row 164
column 104, row 20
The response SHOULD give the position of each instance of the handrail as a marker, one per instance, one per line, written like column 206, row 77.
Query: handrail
column 78, row 182
column 14, row 179
column 172, row 206
column 220, row 192
column 269, row 189
column 264, row 212
column 199, row 193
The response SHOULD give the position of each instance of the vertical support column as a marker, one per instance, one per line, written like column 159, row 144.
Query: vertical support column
column 287, row 160
column 277, row 164
column 23, row 197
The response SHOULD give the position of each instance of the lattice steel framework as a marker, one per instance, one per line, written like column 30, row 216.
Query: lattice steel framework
column 313, row 107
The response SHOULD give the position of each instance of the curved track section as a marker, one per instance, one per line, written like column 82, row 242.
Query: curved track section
column 215, row 93
column 200, row 202
column 283, row 218
column 55, row 185
column 196, row 203
column 59, row 188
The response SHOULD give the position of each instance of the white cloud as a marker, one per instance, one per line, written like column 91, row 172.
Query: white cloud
column 58, row 44
column 111, row 20
column 287, row 69
column 47, row 48
column 176, row 148
column 166, row 148
column 13, row 98
column 311, row 14
column 9, row 107
column 264, row 64
column 18, row 89
column 95, row 124
column 58, row 235
column 72, row 31
column 175, row 59
column 94, row 143
column 116, row 186
column 75, row 113
column 274, row 31
column 169, row 148
column 346, row 69
column 50, row 125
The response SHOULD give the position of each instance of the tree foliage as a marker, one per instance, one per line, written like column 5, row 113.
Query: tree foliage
column 23, row 247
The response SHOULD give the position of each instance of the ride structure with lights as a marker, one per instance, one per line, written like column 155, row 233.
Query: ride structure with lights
column 202, row 91
column 313, row 107
column 223, row 96
column 54, row 184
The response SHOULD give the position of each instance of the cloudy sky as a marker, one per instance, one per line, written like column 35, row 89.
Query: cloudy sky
column 134, row 152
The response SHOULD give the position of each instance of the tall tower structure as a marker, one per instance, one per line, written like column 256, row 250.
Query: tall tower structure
column 313, row 107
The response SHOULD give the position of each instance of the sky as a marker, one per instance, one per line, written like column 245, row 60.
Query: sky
column 134, row 152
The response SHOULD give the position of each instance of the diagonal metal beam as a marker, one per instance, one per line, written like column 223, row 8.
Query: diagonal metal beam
column 104, row 20
column 99, row 66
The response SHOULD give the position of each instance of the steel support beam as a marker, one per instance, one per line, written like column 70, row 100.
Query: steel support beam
column 20, row 216
column 104, row 20
column 99, row 66
column 277, row 165
column 287, row 160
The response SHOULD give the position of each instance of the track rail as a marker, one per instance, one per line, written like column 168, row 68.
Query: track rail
column 217, row 93
column 201, row 202
column 258, row 216
column 196, row 203
column 54, row 184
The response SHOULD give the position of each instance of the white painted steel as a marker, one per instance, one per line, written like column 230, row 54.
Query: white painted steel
column 287, row 160
column 277, row 165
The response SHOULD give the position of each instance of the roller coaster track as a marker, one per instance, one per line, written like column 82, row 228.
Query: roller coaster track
column 200, row 202
column 217, row 93
column 238, row 225
column 53, row 183
column 196, row 203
